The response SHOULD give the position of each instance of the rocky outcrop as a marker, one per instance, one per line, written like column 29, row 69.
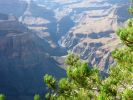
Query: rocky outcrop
column 71, row 24
column 93, row 37
column 35, row 41
column 24, row 59
column 87, row 27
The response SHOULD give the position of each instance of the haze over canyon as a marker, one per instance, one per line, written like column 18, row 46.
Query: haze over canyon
column 36, row 35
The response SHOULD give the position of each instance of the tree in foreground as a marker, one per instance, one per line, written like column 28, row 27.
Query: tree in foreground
column 37, row 97
column 81, row 82
column 85, row 83
column 2, row 97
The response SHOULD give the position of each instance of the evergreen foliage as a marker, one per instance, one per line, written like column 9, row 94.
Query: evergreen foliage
column 2, row 97
column 37, row 97
column 85, row 83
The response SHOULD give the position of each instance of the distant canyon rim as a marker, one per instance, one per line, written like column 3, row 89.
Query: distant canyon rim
column 36, row 35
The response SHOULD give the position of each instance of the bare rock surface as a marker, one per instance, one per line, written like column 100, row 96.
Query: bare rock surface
column 24, row 59
column 35, row 36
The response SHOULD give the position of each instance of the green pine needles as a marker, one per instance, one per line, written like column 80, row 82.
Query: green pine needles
column 2, row 97
column 85, row 83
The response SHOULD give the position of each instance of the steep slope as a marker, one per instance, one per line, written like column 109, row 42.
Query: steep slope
column 44, row 30
column 93, row 36
column 83, row 27
column 14, row 7
column 24, row 59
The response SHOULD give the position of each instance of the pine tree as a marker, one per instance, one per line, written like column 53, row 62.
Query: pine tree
column 81, row 82
column 37, row 97
column 2, row 97
column 119, row 84
column 85, row 83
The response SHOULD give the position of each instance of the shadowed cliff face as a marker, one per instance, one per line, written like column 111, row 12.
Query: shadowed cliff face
column 81, row 23
column 24, row 59
column 35, row 34
column 95, row 23
column 71, row 24
column 15, row 7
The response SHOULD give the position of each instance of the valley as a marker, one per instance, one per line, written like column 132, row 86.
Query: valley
column 36, row 35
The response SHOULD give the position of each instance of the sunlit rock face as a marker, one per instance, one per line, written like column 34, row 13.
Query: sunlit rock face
column 35, row 35
column 93, row 33
column 87, row 27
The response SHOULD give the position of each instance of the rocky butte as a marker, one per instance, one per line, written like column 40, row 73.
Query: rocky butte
column 35, row 36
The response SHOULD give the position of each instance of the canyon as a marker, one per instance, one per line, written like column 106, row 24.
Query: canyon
column 36, row 36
